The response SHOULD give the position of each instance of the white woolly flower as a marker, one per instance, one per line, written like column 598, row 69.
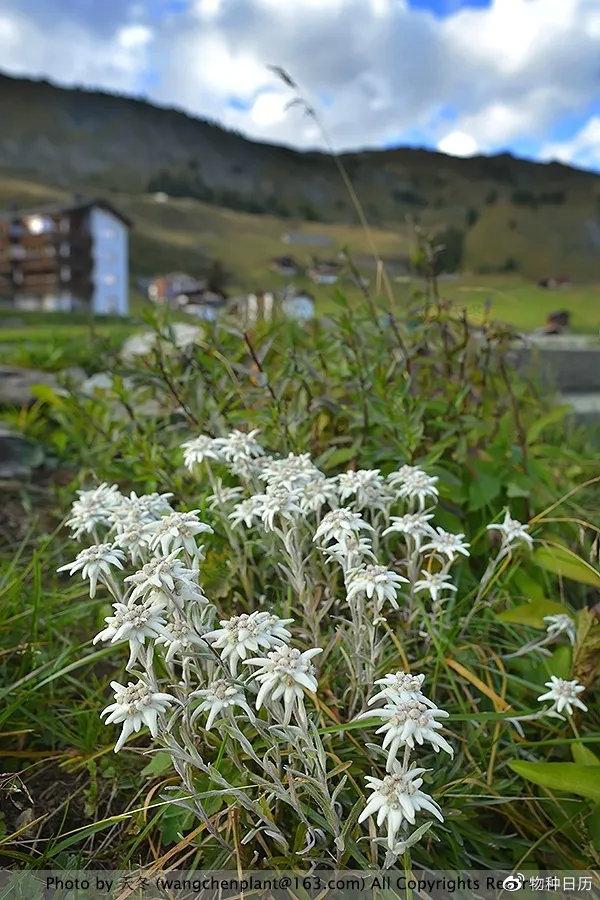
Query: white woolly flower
column 564, row 695
column 180, row 639
column 340, row 524
column 410, row 721
column 434, row 583
column 218, row 697
column 285, row 674
column 140, row 510
column 349, row 552
column 92, row 509
column 133, row 539
column 134, row 622
column 446, row 544
column 375, row 580
column 160, row 575
column 239, row 445
column 412, row 483
column 247, row 511
column 512, row 532
column 561, row 624
column 397, row 798
column 248, row 633
column 313, row 495
column 93, row 562
column 135, row 706
column 400, row 687
column 178, row 529
column 277, row 503
column 367, row 486
column 414, row 525
column 196, row 450
column 292, row 472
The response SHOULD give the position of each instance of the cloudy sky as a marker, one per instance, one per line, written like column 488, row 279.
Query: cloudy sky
column 463, row 76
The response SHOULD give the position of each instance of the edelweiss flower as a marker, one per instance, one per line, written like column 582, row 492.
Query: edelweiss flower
column 247, row 511
column 135, row 706
column 217, row 697
column 512, row 532
column 160, row 575
column 400, row 687
column 377, row 580
column 239, row 445
column 396, row 798
column 181, row 640
column 285, row 674
column 248, row 633
column 408, row 722
column 446, row 544
column 434, row 583
column 93, row 508
column 564, row 695
column 140, row 510
column 93, row 562
column 277, row 501
column 179, row 529
column 561, row 624
column 349, row 552
column 367, row 486
column 132, row 539
column 134, row 622
column 412, row 483
column 340, row 524
column 292, row 472
column 198, row 449
column 316, row 493
column 413, row 525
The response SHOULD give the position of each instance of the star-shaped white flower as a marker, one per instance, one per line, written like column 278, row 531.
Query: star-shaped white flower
column 400, row 687
column 444, row 543
column 134, row 622
column 340, row 524
column 285, row 674
column 241, row 635
column 564, row 695
column 374, row 580
column 414, row 525
column 92, row 509
column 196, row 450
column 367, row 487
column 239, row 445
column 410, row 721
column 218, row 697
column 178, row 529
column 135, row 706
column 512, row 531
column 434, row 583
column 412, row 483
column 93, row 562
column 397, row 798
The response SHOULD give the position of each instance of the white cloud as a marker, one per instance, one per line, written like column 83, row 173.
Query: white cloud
column 457, row 143
column 582, row 149
column 378, row 70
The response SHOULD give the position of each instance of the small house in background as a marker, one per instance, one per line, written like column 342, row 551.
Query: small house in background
column 285, row 265
column 174, row 289
column 324, row 272
column 250, row 309
column 66, row 257
column 555, row 282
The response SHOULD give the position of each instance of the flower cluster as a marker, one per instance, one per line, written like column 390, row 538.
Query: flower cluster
column 409, row 718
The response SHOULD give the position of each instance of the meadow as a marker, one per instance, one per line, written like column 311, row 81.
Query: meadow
column 282, row 430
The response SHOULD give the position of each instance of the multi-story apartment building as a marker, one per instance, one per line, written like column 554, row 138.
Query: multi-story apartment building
column 65, row 258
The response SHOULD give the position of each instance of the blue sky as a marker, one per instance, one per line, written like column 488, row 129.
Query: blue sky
column 461, row 76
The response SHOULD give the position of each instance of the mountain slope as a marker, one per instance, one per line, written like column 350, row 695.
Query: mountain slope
column 539, row 219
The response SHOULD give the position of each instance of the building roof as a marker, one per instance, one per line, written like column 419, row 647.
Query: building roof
column 77, row 204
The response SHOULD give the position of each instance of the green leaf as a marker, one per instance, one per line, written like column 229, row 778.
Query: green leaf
column 572, row 778
column 533, row 613
column 562, row 561
column 482, row 489
column 555, row 415
column 560, row 662
column 158, row 765
column 583, row 755
column 527, row 585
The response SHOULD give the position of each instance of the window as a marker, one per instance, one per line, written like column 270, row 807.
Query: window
column 65, row 273
column 38, row 224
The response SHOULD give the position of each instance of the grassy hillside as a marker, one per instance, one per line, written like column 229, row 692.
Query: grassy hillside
column 537, row 219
